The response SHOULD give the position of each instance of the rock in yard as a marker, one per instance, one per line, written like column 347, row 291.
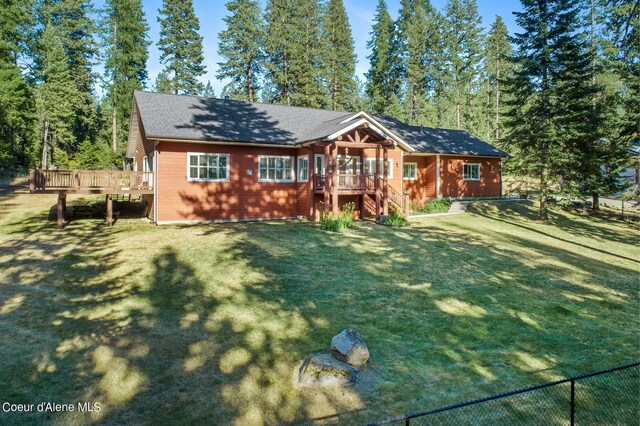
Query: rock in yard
column 323, row 370
column 349, row 347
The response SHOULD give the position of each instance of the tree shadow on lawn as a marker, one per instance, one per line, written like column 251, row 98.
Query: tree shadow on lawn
column 216, row 337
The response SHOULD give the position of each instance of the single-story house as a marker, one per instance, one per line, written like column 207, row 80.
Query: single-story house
column 226, row 160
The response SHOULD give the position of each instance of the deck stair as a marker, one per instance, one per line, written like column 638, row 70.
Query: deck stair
column 458, row 207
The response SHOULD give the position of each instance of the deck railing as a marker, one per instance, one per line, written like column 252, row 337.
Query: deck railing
column 90, row 181
column 348, row 182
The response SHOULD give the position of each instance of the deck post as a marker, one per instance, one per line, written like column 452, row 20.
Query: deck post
column 377, row 184
column 327, row 182
column 334, row 179
column 32, row 181
column 385, row 184
column 109, row 200
column 62, row 206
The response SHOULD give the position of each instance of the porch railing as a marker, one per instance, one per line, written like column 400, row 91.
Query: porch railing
column 90, row 181
column 346, row 182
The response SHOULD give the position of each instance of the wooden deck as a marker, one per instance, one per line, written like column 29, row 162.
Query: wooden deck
column 90, row 182
column 108, row 182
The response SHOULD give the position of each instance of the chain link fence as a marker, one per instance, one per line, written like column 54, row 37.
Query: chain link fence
column 609, row 397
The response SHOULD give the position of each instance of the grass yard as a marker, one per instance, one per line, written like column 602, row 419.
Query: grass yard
column 206, row 324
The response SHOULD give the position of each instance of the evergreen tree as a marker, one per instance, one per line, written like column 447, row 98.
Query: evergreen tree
column 418, row 33
column 163, row 83
column 126, row 53
column 208, row 91
column 384, row 75
column 550, row 114
column 16, row 97
column 55, row 100
column 180, row 46
column 339, row 59
column 463, row 52
column 293, row 52
column 498, row 68
column 241, row 46
column 279, row 41
column 74, row 27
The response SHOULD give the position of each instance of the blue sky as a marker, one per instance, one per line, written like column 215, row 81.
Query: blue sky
column 361, row 13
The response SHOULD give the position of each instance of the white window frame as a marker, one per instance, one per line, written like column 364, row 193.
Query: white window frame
column 372, row 166
column 293, row 172
column 190, row 179
column 301, row 160
column 147, row 163
column 356, row 162
column 415, row 170
column 470, row 164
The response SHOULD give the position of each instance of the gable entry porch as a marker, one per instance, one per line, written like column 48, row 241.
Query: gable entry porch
column 355, row 166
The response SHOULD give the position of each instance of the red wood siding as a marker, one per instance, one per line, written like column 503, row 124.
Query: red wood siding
column 243, row 197
column 452, row 184
column 424, row 186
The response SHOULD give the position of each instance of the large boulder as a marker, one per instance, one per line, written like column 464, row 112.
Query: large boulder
column 324, row 370
column 348, row 346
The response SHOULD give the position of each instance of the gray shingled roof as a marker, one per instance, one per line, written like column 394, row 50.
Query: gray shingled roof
column 196, row 118
column 439, row 141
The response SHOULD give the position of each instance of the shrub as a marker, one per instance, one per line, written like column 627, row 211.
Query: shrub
column 439, row 205
column 396, row 218
column 344, row 219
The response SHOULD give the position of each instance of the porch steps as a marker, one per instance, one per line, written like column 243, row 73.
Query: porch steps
column 458, row 207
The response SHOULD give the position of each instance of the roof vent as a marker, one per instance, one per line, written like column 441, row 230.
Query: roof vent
column 226, row 97
column 421, row 131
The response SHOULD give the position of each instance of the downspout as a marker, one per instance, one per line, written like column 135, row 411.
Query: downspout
column 155, row 182
column 501, row 178
column 437, row 175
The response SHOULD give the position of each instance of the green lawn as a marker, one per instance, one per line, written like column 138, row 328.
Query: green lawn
column 207, row 324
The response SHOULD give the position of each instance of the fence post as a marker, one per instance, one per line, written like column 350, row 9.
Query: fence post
column 573, row 402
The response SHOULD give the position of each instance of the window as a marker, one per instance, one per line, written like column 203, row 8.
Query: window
column 275, row 169
column 319, row 164
column 303, row 169
column 370, row 167
column 348, row 165
column 208, row 167
column 471, row 171
column 147, row 163
column 410, row 171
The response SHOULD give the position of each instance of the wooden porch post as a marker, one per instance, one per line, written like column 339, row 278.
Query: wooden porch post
column 327, row 182
column 62, row 205
column 385, row 187
column 109, row 200
column 334, row 179
column 312, row 184
column 377, row 186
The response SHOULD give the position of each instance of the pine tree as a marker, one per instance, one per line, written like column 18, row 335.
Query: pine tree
column 241, row 46
column 208, row 91
column 16, row 97
column 126, row 52
column 306, row 72
column 75, row 27
column 498, row 69
column 163, row 83
column 418, row 34
column 279, row 51
column 384, row 75
column 550, row 113
column 339, row 59
column 55, row 95
column 180, row 46
column 463, row 52
column 293, row 52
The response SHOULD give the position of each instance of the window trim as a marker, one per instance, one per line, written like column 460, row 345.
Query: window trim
column 300, row 157
column 219, row 154
column 413, row 163
column 471, row 164
column 373, row 171
column 293, row 170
